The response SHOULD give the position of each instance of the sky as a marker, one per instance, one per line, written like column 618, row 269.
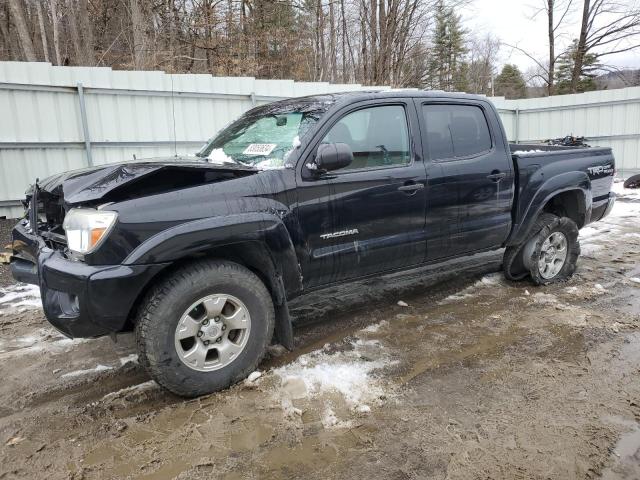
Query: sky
column 511, row 21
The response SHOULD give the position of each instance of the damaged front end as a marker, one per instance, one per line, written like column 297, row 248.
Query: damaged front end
column 77, row 281
column 40, row 228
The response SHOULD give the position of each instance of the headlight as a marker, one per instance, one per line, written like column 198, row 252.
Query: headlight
column 87, row 228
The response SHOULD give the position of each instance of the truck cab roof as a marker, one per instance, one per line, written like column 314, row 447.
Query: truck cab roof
column 345, row 98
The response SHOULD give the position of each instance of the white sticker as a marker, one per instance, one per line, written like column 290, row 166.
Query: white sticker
column 259, row 149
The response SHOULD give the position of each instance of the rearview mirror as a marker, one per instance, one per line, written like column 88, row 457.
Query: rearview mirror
column 333, row 156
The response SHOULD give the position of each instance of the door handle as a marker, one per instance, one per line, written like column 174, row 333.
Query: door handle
column 496, row 176
column 411, row 187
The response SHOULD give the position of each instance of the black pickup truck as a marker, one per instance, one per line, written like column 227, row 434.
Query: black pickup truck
column 200, row 255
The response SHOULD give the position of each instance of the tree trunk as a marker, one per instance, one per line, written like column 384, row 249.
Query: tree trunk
column 333, row 51
column 229, row 35
column 86, row 34
column 23, row 32
column 364, row 57
column 374, row 41
column 552, row 53
column 73, row 30
column 343, row 43
column 12, row 52
column 581, row 50
column 43, row 32
column 56, row 32
column 139, row 43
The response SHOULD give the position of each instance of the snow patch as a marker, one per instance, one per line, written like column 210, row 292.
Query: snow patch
column 544, row 298
column 375, row 327
column 590, row 248
column 524, row 153
column 20, row 295
column 129, row 358
column 350, row 373
column 78, row 373
column 489, row 280
column 57, row 346
column 141, row 387
column 623, row 209
column 627, row 193
column 349, row 376
column 456, row 297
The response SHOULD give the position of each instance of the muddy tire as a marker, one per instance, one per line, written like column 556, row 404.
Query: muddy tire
column 512, row 264
column 551, row 254
column 205, row 327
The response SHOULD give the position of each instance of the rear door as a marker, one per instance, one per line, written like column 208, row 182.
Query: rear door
column 368, row 217
column 470, row 178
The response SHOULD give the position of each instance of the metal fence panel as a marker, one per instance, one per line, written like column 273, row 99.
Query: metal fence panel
column 144, row 114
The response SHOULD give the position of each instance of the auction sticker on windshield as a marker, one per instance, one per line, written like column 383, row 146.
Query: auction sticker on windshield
column 259, row 149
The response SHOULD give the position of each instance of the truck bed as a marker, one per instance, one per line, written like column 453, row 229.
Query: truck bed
column 539, row 167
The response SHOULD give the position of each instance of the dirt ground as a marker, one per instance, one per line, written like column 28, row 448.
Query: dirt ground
column 469, row 377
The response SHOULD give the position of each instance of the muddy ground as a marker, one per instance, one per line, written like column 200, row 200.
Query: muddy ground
column 475, row 377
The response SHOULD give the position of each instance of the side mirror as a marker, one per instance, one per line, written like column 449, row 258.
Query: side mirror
column 333, row 156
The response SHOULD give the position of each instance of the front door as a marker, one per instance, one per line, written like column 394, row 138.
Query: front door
column 368, row 217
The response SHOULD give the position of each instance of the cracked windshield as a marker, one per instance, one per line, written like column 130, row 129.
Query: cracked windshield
column 263, row 138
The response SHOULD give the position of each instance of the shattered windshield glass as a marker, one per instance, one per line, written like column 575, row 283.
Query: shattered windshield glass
column 264, row 137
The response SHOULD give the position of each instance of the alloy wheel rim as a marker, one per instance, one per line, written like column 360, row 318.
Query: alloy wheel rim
column 212, row 332
column 553, row 255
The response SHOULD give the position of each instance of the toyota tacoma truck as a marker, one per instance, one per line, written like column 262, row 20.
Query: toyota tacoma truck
column 200, row 255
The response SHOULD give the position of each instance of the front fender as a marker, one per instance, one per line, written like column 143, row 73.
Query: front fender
column 538, row 192
column 201, row 236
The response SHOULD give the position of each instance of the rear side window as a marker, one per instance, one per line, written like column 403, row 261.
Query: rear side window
column 455, row 131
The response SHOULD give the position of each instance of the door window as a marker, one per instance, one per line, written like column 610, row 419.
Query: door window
column 455, row 131
column 378, row 136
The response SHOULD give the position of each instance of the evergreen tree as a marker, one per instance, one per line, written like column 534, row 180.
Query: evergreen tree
column 510, row 83
column 446, row 64
column 564, row 72
column 461, row 77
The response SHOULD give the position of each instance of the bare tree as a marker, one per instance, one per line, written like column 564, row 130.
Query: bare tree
column 482, row 59
column 56, row 30
column 556, row 12
column 607, row 27
column 554, row 24
column 139, row 38
column 43, row 32
column 17, row 13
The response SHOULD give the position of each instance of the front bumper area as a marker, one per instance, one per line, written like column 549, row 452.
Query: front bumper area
column 79, row 300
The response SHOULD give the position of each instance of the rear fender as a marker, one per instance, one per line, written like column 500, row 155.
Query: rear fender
column 565, row 182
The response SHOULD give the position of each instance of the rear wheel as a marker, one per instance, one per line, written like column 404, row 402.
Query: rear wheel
column 551, row 255
column 205, row 328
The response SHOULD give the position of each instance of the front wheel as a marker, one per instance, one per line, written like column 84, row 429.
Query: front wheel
column 552, row 253
column 205, row 327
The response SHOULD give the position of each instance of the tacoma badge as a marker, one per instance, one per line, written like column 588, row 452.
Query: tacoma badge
column 343, row 233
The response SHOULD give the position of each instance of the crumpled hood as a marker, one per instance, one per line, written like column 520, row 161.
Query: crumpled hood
column 96, row 183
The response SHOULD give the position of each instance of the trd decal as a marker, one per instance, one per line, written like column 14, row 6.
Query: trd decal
column 601, row 170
